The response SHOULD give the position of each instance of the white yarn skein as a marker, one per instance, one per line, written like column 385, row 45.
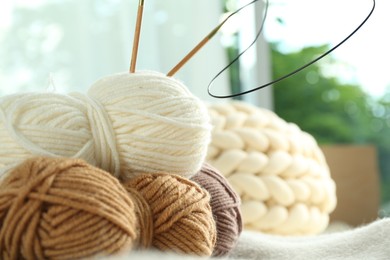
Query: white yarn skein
column 127, row 124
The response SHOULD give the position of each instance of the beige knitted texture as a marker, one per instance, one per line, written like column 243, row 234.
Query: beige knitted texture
column 278, row 170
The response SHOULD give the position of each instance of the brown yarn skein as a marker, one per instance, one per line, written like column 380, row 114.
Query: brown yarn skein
column 181, row 213
column 225, row 204
column 63, row 209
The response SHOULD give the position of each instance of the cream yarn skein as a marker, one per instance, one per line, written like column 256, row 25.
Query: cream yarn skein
column 277, row 169
column 126, row 124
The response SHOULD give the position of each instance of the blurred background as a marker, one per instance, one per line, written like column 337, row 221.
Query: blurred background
column 66, row 45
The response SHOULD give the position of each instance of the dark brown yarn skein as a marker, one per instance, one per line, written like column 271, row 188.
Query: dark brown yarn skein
column 180, row 211
column 225, row 204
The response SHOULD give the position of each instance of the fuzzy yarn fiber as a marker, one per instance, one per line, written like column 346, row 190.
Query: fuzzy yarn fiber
column 225, row 205
column 126, row 124
column 59, row 208
column 277, row 169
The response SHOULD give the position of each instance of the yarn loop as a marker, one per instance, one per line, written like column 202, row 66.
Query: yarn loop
column 103, row 135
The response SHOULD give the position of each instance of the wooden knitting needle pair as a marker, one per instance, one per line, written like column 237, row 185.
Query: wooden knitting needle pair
column 184, row 60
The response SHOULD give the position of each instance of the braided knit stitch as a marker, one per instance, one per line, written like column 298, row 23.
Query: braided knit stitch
column 278, row 170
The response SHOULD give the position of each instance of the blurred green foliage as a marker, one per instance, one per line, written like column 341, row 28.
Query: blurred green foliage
column 333, row 111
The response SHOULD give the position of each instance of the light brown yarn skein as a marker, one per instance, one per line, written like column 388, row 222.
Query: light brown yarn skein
column 180, row 211
column 63, row 209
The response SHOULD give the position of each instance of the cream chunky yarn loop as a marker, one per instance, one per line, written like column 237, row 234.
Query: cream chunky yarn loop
column 278, row 170
column 103, row 135
column 126, row 124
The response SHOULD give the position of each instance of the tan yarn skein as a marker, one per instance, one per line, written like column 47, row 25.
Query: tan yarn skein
column 63, row 209
column 181, row 212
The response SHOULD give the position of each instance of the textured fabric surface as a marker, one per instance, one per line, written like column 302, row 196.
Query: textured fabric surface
column 277, row 169
column 370, row 242
column 225, row 204
column 367, row 242
column 126, row 124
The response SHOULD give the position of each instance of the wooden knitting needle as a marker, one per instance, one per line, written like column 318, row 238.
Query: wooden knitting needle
column 195, row 50
column 137, row 36
column 204, row 41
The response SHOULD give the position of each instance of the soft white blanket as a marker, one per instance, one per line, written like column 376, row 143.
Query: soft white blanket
column 367, row 242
